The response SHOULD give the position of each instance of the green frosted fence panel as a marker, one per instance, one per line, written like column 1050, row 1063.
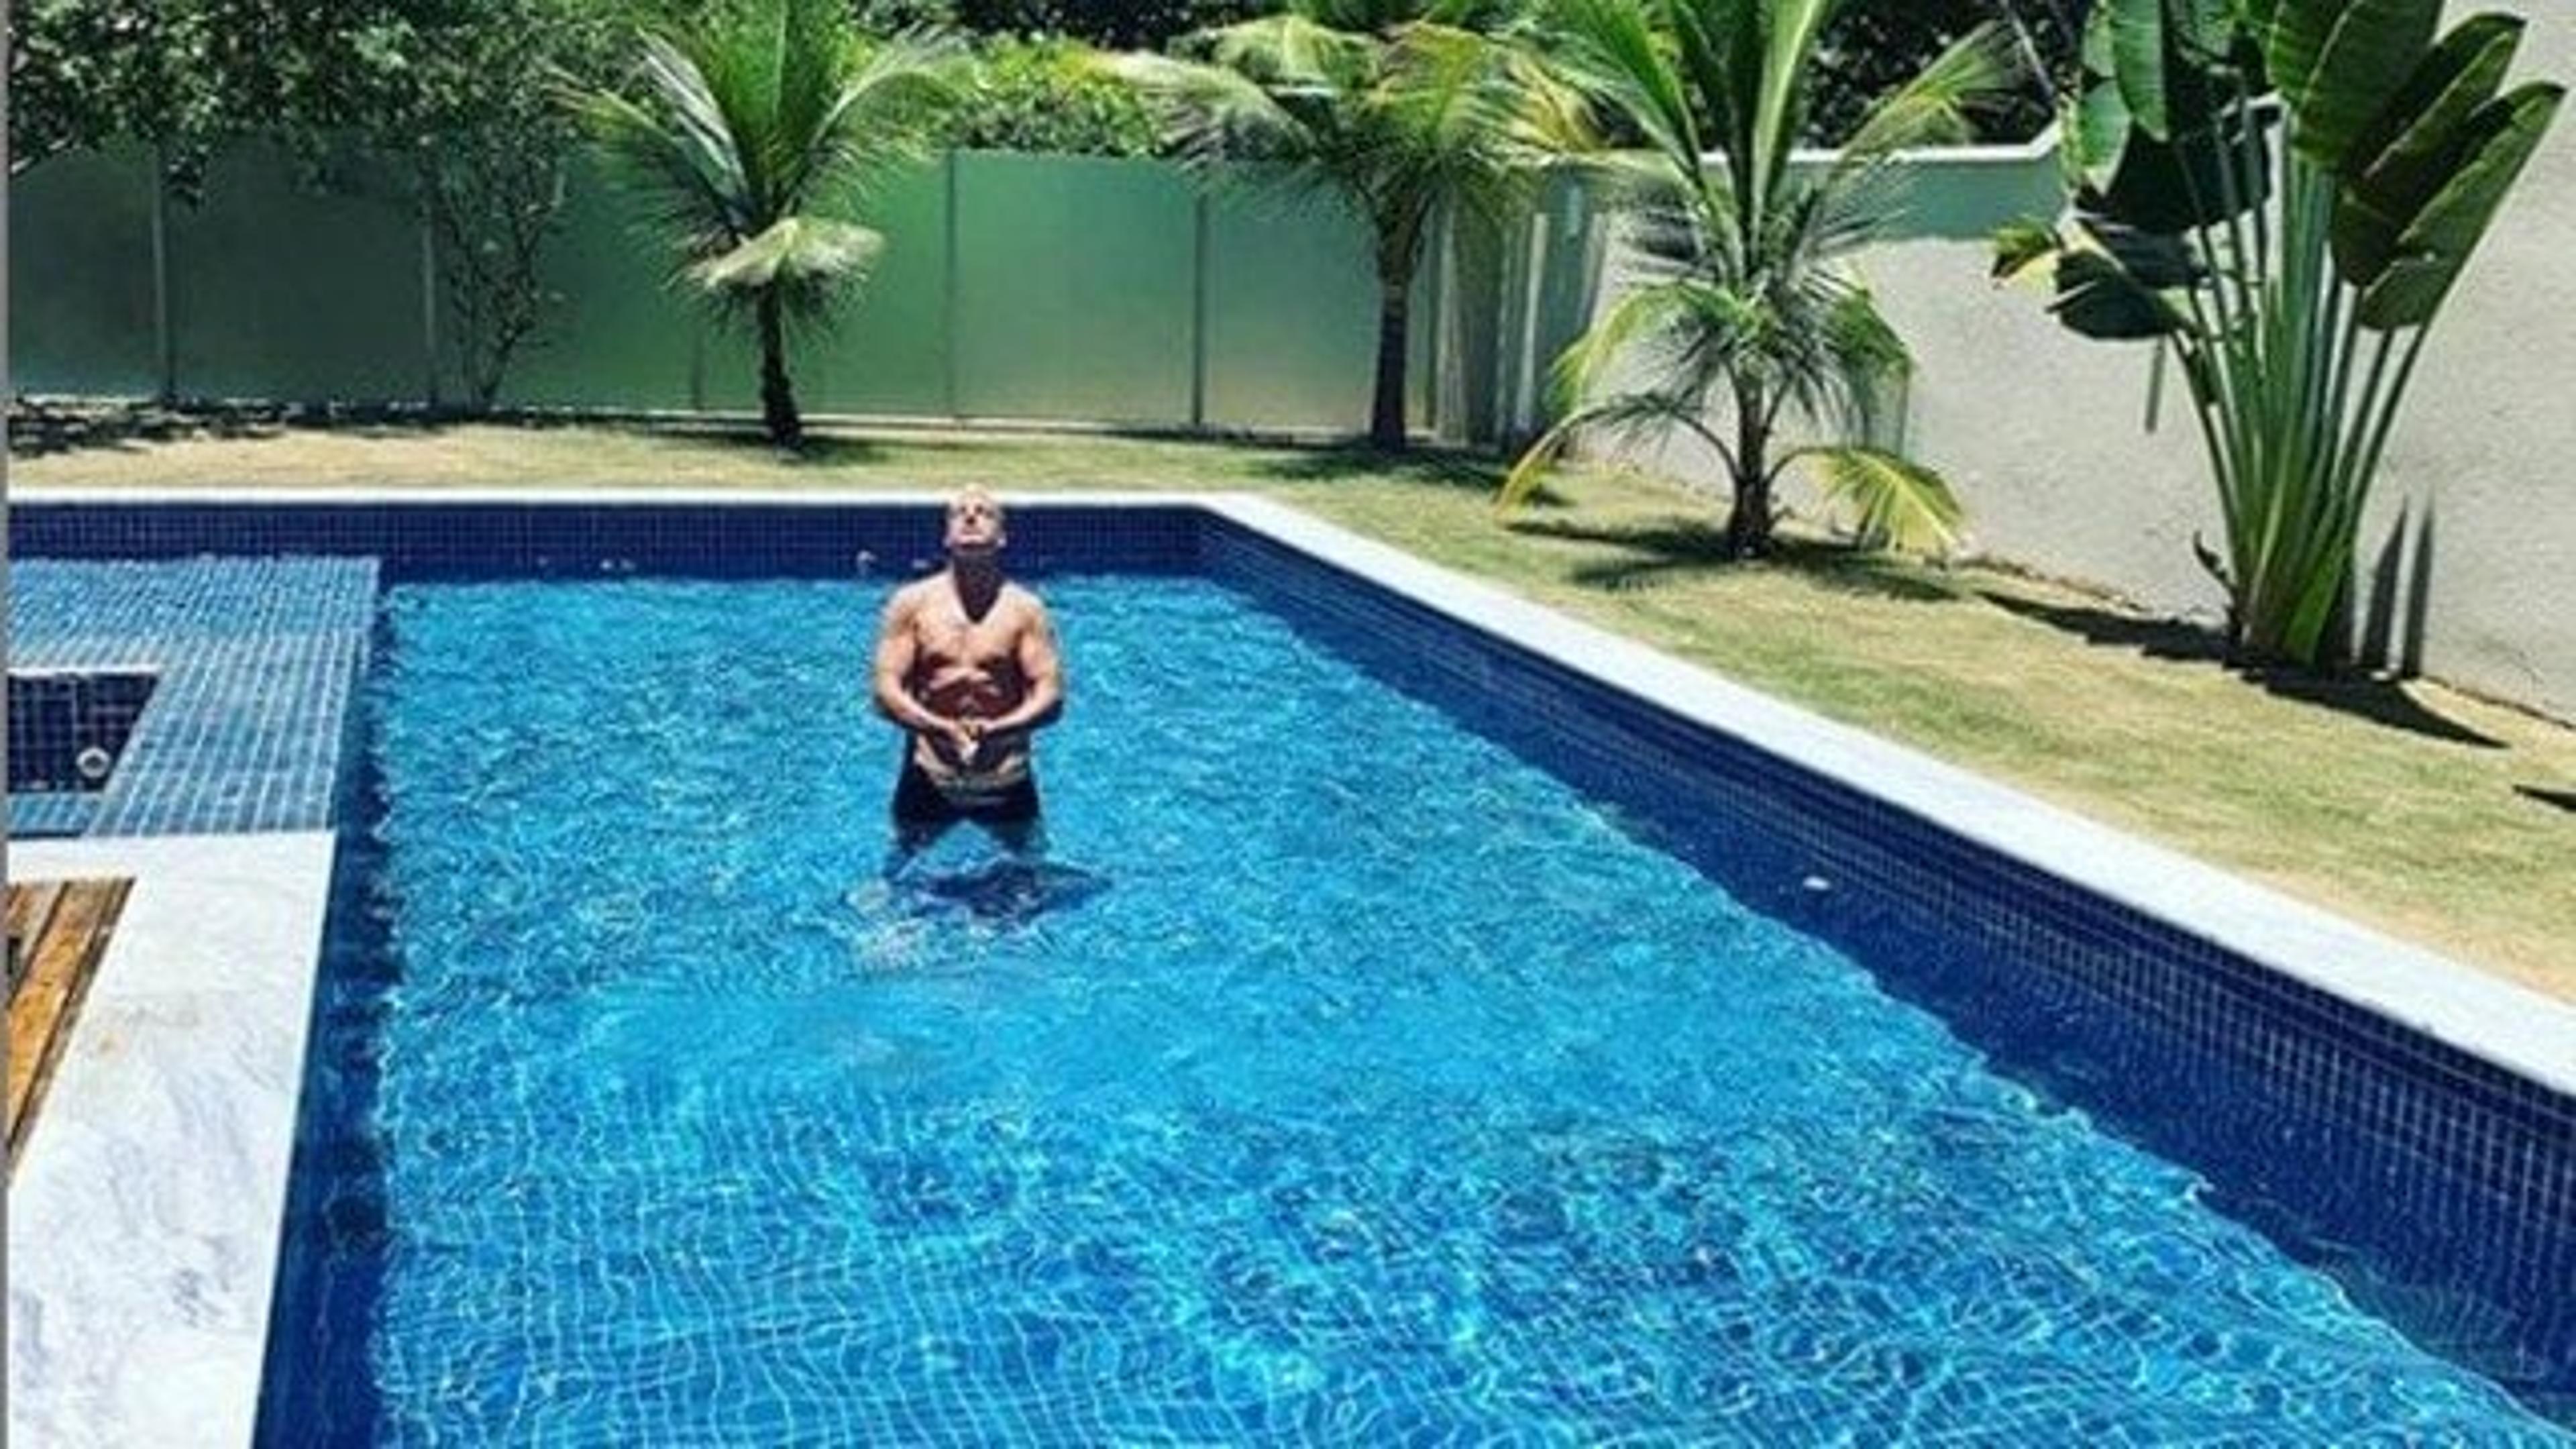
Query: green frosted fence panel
column 1074, row 288
column 80, row 276
column 1292, row 313
column 887, row 351
column 621, row 337
column 278, row 292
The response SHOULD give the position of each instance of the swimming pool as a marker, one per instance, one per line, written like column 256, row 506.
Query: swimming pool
column 2401, row 1132
column 1337, row 1074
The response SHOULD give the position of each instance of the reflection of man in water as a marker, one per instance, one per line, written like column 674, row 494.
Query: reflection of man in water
column 966, row 661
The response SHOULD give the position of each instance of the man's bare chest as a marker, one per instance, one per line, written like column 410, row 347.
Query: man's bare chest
column 949, row 640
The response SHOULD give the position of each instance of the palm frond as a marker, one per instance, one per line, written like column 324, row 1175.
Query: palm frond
column 1893, row 502
column 1979, row 70
column 1210, row 114
column 1608, row 344
column 683, row 188
column 879, row 115
column 1628, row 417
column 739, row 134
column 1791, row 29
column 1607, row 49
column 796, row 251
column 1291, row 52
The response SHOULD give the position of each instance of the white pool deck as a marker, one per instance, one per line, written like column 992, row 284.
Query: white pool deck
column 144, row 1216
column 144, row 1219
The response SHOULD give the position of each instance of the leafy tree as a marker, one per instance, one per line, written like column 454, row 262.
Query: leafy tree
column 1400, row 110
column 2289, row 278
column 1872, row 47
column 184, row 76
column 463, row 127
column 1116, row 24
column 83, row 74
column 1050, row 95
column 1748, row 299
column 751, row 129
column 440, row 107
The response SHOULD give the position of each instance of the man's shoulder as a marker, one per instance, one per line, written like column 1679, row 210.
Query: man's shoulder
column 908, row 597
column 1024, row 601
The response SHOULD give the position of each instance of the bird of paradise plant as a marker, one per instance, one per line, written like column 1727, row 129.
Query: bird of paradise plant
column 2295, row 282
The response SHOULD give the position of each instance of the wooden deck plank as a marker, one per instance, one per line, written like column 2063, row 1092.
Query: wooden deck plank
column 30, row 907
column 70, row 935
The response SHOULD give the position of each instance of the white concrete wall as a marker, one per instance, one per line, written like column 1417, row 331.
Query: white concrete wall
column 2041, row 431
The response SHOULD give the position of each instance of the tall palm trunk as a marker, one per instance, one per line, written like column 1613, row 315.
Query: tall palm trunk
column 1748, row 525
column 1386, row 413
column 777, row 395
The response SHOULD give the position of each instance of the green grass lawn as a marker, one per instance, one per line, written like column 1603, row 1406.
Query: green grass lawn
column 2393, row 804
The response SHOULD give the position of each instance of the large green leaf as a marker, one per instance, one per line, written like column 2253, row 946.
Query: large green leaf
column 2099, row 298
column 2158, row 261
column 2395, row 168
column 2501, row 137
column 2199, row 178
column 2021, row 244
column 2162, row 55
column 1981, row 69
column 2205, row 30
column 2136, row 33
column 2338, row 61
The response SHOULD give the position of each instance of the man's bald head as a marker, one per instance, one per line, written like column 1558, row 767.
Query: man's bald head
column 975, row 525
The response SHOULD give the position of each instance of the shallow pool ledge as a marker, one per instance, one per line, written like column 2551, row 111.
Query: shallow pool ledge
column 145, row 1215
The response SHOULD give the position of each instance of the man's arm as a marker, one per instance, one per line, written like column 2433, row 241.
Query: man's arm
column 1042, row 667
column 896, row 649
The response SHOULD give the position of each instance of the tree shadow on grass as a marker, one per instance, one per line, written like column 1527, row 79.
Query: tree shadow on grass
column 2563, row 799
column 40, row 427
column 1652, row 554
column 1472, row 472
column 2364, row 697
column 818, row 450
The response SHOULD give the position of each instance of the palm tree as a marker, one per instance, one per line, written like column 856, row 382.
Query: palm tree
column 1747, row 299
column 751, row 128
column 1401, row 107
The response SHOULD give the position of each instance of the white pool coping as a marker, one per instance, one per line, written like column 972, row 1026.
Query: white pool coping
column 146, row 1212
column 145, row 1219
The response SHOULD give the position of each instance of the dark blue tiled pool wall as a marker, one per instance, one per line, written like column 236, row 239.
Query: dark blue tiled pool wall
column 2312, row 1117
column 427, row 539
column 66, row 728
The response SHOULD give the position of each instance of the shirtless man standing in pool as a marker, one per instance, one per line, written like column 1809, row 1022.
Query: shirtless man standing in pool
column 966, row 663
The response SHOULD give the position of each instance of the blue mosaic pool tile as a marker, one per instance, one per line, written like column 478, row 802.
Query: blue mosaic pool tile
column 38, row 815
column 431, row 539
column 256, row 660
column 2502, row 1148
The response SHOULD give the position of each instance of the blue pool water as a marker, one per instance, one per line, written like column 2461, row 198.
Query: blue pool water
column 1336, row 1076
